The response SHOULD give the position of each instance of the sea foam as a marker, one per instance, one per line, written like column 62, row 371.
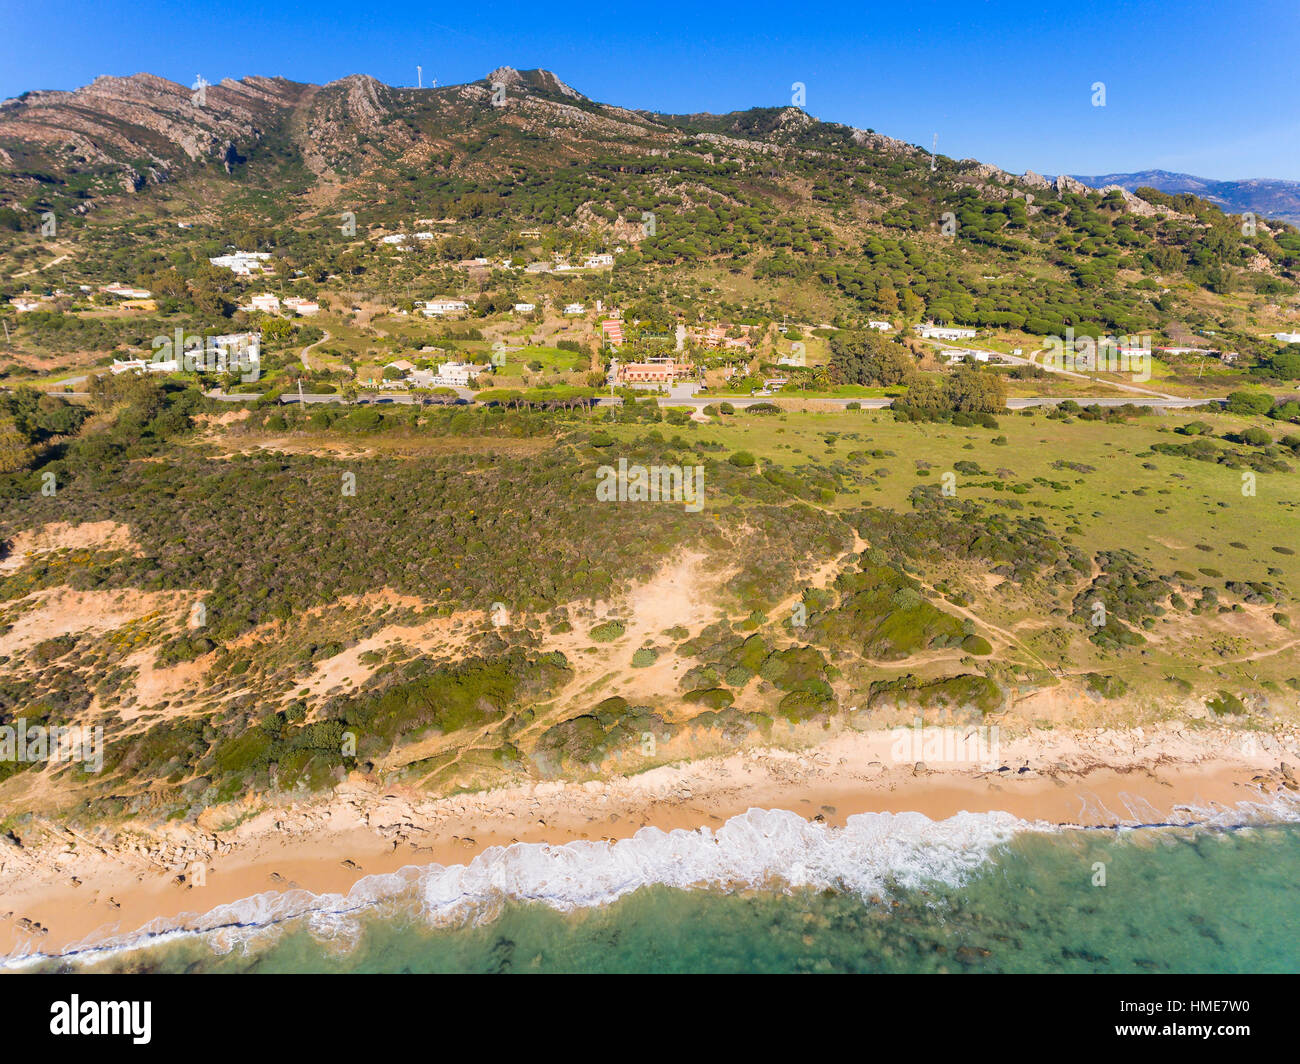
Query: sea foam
column 775, row 849
column 760, row 848
column 872, row 855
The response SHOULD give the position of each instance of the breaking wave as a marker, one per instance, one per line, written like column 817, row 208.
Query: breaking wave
column 873, row 855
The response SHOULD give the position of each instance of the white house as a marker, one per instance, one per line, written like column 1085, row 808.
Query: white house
column 305, row 307
column 595, row 262
column 457, row 374
column 525, row 308
column 944, row 332
column 242, row 263
column 246, row 345
column 1287, row 338
column 969, row 354
column 267, row 303
column 22, row 306
column 879, row 326
column 125, row 291
column 575, row 308
column 393, row 238
column 436, row 308
column 142, row 365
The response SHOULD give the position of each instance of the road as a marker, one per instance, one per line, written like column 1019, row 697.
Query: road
column 464, row 395
column 303, row 354
column 1032, row 360
column 698, row 402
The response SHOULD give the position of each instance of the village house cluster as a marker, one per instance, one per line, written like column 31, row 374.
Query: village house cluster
column 243, row 263
column 231, row 352
column 269, row 303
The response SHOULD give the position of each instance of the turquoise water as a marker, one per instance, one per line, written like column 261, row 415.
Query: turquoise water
column 1174, row 900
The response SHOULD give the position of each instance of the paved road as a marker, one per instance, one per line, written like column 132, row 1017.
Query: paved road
column 1032, row 360
column 406, row 399
column 698, row 402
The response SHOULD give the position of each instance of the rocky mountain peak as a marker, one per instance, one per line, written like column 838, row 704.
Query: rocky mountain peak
column 507, row 76
column 525, row 81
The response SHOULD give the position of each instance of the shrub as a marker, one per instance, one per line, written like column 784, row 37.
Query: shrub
column 712, row 698
column 608, row 632
column 1249, row 402
column 1226, row 704
column 1106, row 686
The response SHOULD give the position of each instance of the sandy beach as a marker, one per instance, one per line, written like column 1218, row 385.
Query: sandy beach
column 65, row 889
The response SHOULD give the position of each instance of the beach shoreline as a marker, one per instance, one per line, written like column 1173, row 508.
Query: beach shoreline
column 72, row 889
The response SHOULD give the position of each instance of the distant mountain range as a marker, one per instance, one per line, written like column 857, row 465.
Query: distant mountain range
column 1264, row 196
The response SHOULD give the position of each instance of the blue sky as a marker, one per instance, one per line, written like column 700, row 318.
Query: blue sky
column 1204, row 88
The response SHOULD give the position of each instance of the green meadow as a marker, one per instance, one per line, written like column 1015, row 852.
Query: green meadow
column 1094, row 487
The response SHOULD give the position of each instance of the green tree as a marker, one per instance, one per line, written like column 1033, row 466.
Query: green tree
column 868, row 358
column 976, row 391
column 1286, row 364
column 1249, row 402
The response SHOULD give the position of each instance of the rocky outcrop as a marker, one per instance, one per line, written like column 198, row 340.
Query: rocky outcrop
column 1137, row 204
column 507, row 76
column 529, row 81
column 879, row 142
column 117, row 121
column 346, row 123
column 1065, row 183
column 984, row 171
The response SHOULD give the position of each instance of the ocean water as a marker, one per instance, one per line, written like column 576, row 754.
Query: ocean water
column 772, row 892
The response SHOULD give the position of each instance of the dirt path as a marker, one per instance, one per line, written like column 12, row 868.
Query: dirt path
column 1033, row 360
column 303, row 354
column 38, row 269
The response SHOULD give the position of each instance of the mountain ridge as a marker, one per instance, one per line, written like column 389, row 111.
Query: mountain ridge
column 141, row 126
column 1273, row 197
column 768, row 207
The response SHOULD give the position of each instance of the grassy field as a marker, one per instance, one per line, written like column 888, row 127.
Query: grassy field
column 541, row 359
column 1096, row 486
